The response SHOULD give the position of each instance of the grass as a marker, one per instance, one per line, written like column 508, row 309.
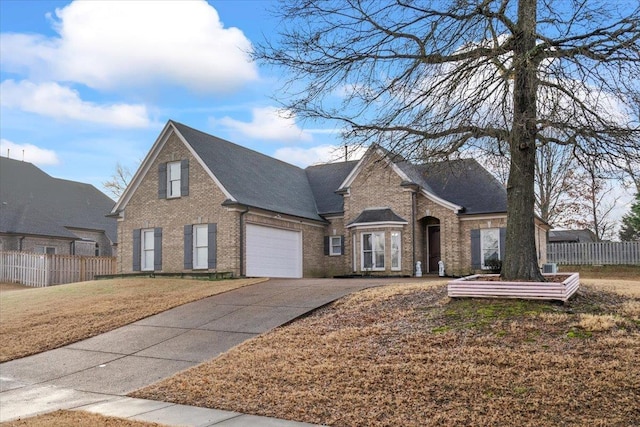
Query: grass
column 408, row 355
column 39, row 319
column 75, row 418
column 622, row 272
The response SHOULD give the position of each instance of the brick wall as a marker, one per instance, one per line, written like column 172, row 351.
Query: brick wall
column 201, row 206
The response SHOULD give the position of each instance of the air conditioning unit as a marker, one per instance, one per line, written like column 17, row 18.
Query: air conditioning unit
column 551, row 268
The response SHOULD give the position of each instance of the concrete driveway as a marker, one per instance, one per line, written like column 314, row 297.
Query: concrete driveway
column 115, row 363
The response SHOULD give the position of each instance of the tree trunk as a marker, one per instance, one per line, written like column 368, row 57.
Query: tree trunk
column 521, row 260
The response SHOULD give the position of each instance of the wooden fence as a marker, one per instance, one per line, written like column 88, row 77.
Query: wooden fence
column 41, row 270
column 594, row 253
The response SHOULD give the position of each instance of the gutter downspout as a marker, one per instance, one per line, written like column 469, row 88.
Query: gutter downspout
column 241, row 223
column 413, row 231
column 20, row 243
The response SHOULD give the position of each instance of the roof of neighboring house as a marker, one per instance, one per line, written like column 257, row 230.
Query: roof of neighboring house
column 252, row 178
column 33, row 202
column 463, row 181
column 325, row 180
column 377, row 215
column 571, row 236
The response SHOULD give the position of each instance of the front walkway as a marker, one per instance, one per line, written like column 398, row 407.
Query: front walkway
column 96, row 373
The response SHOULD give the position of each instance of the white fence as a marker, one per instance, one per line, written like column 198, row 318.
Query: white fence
column 41, row 270
column 594, row 253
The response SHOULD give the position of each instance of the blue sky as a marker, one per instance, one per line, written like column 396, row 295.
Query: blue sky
column 86, row 85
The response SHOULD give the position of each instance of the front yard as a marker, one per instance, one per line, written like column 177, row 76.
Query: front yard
column 408, row 355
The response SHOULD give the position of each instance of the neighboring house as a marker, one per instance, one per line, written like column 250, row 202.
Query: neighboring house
column 199, row 203
column 39, row 213
column 572, row 236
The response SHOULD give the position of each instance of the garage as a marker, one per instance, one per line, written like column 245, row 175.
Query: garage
column 273, row 252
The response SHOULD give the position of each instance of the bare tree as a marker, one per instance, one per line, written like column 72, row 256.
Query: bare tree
column 119, row 181
column 438, row 77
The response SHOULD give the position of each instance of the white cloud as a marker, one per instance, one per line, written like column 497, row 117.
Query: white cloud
column 110, row 44
column 28, row 153
column 268, row 123
column 304, row 157
column 61, row 102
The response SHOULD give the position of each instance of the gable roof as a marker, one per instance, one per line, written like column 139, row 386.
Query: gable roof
column 463, row 182
column 325, row 180
column 252, row 178
column 33, row 202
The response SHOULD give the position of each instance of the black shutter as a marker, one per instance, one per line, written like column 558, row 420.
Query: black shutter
column 136, row 250
column 162, row 181
column 157, row 249
column 342, row 245
column 184, row 177
column 327, row 243
column 503, row 242
column 188, row 247
column 476, row 256
column 213, row 246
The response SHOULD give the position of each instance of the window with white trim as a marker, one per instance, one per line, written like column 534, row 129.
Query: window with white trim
column 396, row 263
column 146, row 249
column 335, row 245
column 173, row 179
column 373, row 251
column 200, row 246
column 489, row 246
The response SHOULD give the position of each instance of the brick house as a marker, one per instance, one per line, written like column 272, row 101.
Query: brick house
column 199, row 203
column 40, row 213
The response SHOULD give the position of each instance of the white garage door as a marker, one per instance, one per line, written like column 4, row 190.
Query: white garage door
column 273, row 252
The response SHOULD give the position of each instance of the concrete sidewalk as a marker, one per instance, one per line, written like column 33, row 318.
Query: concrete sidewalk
column 96, row 373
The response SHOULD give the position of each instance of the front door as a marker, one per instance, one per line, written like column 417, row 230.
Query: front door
column 433, row 249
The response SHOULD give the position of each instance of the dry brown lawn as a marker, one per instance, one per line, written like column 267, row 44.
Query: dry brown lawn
column 39, row 319
column 75, row 418
column 408, row 355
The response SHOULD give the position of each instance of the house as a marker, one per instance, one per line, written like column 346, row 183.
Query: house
column 572, row 236
column 200, row 203
column 39, row 213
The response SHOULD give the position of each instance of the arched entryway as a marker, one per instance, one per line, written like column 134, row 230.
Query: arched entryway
column 432, row 250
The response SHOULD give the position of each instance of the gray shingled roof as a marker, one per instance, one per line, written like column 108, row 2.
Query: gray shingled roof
column 463, row 182
column 377, row 215
column 32, row 202
column 325, row 180
column 571, row 236
column 252, row 178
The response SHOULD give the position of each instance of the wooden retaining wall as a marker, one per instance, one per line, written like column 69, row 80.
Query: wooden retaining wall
column 475, row 287
column 39, row 270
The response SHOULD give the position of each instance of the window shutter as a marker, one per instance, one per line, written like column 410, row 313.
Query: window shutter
column 136, row 250
column 188, row 247
column 157, row 249
column 342, row 245
column 503, row 242
column 327, row 243
column 213, row 246
column 162, row 181
column 184, row 177
column 476, row 256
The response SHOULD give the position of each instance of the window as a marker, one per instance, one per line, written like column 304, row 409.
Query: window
column 45, row 250
column 147, row 253
column 489, row 246
column 373, row 251
column 395, row 251
column 335, row 245
column 200, row 246
column 173, row 179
